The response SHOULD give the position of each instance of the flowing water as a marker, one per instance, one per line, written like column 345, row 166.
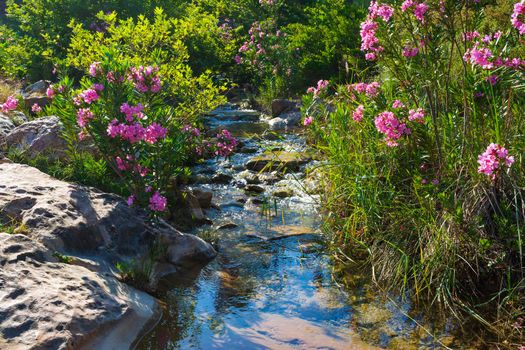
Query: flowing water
column 273, row 284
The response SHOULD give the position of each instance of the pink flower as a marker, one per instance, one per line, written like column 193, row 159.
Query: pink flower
column 435, row 182
column 407, row 4
column 398, row 104
column 492, row 79
column 84, row 116
column 308, row 120
column 10, row 104
column 50, row 92
column 371, row 90
column 131, row 111
column 89, row 96
column 226, row 144
column 517, row 17
column 98, row 87
column 154, row 132
column 131, row 200
column 416, row 115
column 94, row 68
column 388, row 124
column 122, row 165
column 357, row 115
column 493, row 159
column 158, row 202
column 410, row 51
column 420, row 11
column 321, row 85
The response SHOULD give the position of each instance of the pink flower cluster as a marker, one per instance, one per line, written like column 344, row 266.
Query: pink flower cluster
column 517, row 17
column 135, row 132
column 481, row 53
column 419, row 9
column 416, row 115
column 369, row 41
column 410, row 51
column 35, row 108
column 357, row 115
column 94, row 69
column 88, row 96
column 371, row 90
column 262, row 47
column 10, row 104
column 84, row 116
column 308, row 120
column 157, row 202
column 132, row 111
column 316, row 90
column 492, row 160
column 388, row 124
column 383, row 11
column 145, row 79
column 226, row 144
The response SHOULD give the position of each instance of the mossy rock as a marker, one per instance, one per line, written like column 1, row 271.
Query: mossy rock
column 279, row 160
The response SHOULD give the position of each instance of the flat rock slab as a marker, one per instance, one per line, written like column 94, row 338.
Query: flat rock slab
column 45, row 304
column 279, row 160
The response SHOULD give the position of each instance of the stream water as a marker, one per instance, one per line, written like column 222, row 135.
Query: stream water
column 273, row 284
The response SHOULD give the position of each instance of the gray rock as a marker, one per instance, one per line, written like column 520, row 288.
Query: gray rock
column 285, row 121
column 282, row 192
column 6, row 125
column 250, row 177
column 204, row 197
column 36, row 93
column 49, row 305
column 280, row 106
column 222, row 178
column 43, row 135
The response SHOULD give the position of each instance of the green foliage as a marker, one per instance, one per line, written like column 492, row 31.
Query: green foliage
column 158, row 42
column 326, row 43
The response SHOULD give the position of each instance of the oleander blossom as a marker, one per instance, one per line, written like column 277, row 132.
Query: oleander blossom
column 10, row 104
column 357, row 115
column 154, row 132
column 410, row 52
column 84, row 116
column 35, row 108
column 317, row 90
column 50, row 92
column 416, row 115
column 157, row 202
column 145, row 79
column 308, row 120
column 518, row 16
column 388, row 124
column 226, row 144
column 398, row 104
column 89, row 96
column 492, row 161
column 94, row 68
column 419, row 9
column 371, row 90
column 132, row 111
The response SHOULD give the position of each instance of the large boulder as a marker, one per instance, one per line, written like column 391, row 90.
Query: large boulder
column 77, row 302
column 75, row 219
column 45, row 304
column 280, row 106
column 43, row 135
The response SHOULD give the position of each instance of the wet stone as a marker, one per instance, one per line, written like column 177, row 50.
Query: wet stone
column 222, row 178
column 254, row 188
column 281, row 160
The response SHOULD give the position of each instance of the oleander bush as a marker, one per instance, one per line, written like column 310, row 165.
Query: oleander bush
column 426, row 171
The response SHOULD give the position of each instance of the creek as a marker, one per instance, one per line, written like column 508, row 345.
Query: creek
column 274, row 284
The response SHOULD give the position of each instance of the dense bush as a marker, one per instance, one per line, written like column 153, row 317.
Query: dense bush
column 425, row 164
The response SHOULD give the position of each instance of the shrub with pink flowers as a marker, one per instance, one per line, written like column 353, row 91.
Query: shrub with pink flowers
column 122, row 109
column 407, row 147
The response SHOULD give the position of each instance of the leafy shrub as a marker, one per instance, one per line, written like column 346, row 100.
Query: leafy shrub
column 149, row 43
